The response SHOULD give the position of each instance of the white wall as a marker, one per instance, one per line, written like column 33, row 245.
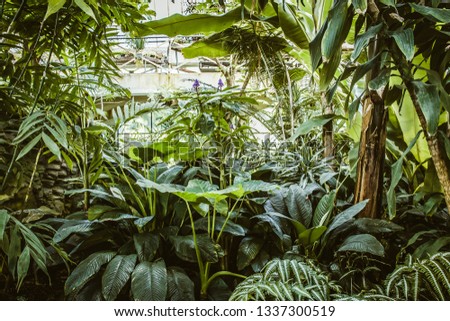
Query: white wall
column 165, row 8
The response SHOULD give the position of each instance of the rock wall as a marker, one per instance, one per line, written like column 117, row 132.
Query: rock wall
column 50, row 183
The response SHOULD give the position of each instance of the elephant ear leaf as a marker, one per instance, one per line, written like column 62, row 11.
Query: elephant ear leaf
column 85, row 271
column 364, row 243
column 116, row 275
column 149, row 281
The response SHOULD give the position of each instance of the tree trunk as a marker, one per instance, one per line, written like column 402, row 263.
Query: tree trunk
column 436, row 148
column 369, row 184
column 327, row 130
column 437, row 151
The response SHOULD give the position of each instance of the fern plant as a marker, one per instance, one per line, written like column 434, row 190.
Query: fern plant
column 427, row 279
column 287, row 280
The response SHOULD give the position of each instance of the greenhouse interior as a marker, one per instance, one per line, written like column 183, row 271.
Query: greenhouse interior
column 225, row 150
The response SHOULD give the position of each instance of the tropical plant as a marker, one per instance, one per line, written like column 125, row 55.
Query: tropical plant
column 426, row 279
column 287, row 280
column 22, row 249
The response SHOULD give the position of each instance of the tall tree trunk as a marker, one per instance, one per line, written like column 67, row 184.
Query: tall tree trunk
column 327, row 130
column 369, row 184
column 437, row 151
column 371, row 156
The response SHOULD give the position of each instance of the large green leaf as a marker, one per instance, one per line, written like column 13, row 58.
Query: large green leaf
column 169, row 175
column 324, row 208
column 405, row 41
column 28, row 147
column 372, row 225
column 346, row 216
column 70, row 228
column 87, row 269
column 248, row 250
column 185, row 248
column 291, row 26
column 396, row 175
column 4, row 218
column 329, row 70
column 23, row 263
column 179, row 286
column 434, row 14
column 85, row 7
column 298, row 205
column 230, row 228
column 53, row 7
column 364, row 243
column 360, row 6
column 314, row 122
column 210, row 47
column 116, row 275
column 146, row 245
column 363, row 40
column 193, row 24
column 149, row 281
column 428, row 96
column 410, row 126
column 311, row 235
column 51, row 145
column 331, row 41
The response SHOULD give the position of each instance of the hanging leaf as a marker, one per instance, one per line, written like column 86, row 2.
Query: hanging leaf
column 51, row 145
column 315, row 47
column 194, row 24
column 210, row 47
column 428, row 96
column 405, row 41
column 149, row 281
column 53, row 7
column 328, row 70
column 85, row 271
column 331, row 41
column 116, row 275
column 364, row 243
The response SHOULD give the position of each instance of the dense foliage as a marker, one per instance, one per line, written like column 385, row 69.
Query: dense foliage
column 179, row 199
